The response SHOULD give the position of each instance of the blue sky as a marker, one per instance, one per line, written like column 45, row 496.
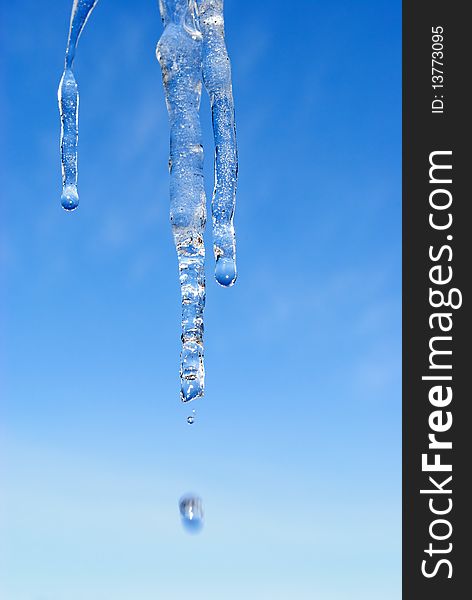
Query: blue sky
column 296, row 447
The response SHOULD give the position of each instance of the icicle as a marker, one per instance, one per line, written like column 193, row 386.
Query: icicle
column 179, row 52
column 191, row 49
column 217, row 81
column 68, row 97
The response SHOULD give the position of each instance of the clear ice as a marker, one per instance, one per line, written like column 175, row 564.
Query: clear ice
column 191, row 50
column 68, row 97
column 217, row 81
column 191, row 511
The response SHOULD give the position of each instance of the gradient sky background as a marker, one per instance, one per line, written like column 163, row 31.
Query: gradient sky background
column 296, row 448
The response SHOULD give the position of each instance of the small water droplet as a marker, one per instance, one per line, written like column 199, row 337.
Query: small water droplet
column 70, row 198
column 191, row 511
column 191, row 419
column 225, row 271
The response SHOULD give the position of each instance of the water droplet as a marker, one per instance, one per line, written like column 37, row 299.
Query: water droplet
column 70, row 198
column 190, row 419
column 191, row 511
column 225, row 271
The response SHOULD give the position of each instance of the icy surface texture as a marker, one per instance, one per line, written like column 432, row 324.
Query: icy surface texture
column 191, row 50
column 179, row 52
column 217, row 81
column 68, row 97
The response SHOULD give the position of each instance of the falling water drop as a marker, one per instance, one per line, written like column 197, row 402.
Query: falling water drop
column 191, row 418
column 191, row 512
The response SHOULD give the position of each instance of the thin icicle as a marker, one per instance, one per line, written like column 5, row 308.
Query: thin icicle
column 68, row 97
column 217, row 81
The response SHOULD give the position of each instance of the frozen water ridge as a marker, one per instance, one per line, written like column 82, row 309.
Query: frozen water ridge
column 191, row 51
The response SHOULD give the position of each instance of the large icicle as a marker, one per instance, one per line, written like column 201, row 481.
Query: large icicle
column 179, row 52
column 217, row 80
column 68, row 97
